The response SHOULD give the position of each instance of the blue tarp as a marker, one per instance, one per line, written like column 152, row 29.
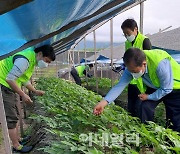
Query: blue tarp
column 174, row 53
column 84, row 61
column 176, row 57
column 101, row 57
column 58, row 22
column 103, row 60
column 170, row 51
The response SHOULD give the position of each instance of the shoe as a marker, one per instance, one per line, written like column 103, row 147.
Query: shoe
column 23, row 149
column 24, row 140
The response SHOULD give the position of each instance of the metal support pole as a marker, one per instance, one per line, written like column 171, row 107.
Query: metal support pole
column 4, row 126
column 107, row 67
column 56, row 68
column 94, row 65
column 111, row 38
column 141, row 16
column 78, row 54
column 23, row 102
column 70, row 58
column 85, row 56
column 69, row 64
column 20, row 115
column 101, row 71
column 73, row 55
column 95, row 59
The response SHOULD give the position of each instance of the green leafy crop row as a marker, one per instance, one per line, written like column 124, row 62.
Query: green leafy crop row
column 69, row 118
column 104, row 85
column 102, row 82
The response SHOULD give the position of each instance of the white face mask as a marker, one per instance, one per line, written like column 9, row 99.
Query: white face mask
column 42, row 64
column 137, row 75
column 130, row 38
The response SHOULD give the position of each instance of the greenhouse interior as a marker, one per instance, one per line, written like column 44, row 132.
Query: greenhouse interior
column 63, row 94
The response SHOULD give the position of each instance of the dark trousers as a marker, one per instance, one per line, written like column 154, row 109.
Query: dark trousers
column 133, row 100
column 172, row 105
column 76, row 77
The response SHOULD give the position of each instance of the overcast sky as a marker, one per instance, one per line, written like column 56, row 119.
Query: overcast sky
column 157, row 14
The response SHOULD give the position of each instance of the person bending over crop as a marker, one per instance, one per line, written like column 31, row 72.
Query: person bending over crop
column 80, row 71
column 15, row 71
column 160, row 73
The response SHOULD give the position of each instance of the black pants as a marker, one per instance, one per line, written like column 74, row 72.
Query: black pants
column 133, row 100
column 76, row 77
column 172, row 105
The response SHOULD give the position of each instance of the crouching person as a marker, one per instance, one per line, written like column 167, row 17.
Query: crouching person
column 80, row 71
column 160, row 73
column 15, row 71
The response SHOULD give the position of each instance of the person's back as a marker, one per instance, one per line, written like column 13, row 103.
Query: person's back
column 80, row 71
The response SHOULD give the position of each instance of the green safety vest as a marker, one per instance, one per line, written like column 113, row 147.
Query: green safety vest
column 80, row 69
column 137, row 44
column 7, row 64
column 153, row 58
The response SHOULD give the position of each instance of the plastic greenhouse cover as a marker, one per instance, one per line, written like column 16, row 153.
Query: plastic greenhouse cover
column 56, row 22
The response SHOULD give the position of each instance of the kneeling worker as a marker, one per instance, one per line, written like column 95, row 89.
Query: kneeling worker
column 160, row 73
column 15, row 71
column 80, row 71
